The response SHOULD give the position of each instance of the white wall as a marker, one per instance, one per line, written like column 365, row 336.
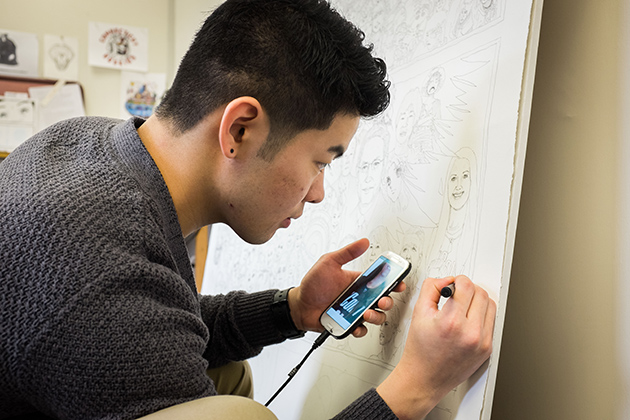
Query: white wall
column 70, row 18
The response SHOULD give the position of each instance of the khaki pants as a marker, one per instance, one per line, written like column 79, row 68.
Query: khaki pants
column 234, row 383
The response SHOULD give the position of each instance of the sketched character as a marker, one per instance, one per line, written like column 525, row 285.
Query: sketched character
column 426, row 138
column 486, row 11
column 453, row 242
column 370, row 168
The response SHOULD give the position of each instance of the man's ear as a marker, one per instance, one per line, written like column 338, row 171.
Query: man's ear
column 244, row 127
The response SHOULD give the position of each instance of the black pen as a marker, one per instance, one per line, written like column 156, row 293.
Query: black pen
column 448, row 291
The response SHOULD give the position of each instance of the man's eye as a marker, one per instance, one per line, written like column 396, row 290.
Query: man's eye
column 321, row 166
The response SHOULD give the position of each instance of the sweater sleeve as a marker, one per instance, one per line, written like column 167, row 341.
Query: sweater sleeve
column 369, row 406
column 240, row 325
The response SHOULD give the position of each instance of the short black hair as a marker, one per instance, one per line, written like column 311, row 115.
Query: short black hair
column 300, row 59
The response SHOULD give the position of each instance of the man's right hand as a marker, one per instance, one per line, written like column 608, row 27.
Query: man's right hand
column 443, row 349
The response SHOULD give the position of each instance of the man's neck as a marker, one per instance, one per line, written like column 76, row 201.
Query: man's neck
column 182, row 163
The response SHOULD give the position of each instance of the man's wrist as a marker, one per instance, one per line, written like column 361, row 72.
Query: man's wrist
column 282, row 315
column 405, row 398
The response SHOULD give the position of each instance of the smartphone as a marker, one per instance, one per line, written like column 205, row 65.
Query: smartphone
column 346, row 312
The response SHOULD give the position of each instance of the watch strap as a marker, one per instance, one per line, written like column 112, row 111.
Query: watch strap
column 282, row 315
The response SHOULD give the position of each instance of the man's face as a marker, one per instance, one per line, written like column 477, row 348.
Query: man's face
column 266, row 195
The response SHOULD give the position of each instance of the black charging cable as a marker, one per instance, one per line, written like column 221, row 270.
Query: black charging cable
column 318, row 342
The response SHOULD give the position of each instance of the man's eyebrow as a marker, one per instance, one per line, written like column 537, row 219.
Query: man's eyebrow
column 337, row 150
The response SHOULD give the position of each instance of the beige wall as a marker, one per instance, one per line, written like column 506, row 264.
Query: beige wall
column 189, row 15
column 71, row 17
column 563, row 352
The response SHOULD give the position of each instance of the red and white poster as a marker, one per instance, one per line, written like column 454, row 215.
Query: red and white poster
column 118, row 46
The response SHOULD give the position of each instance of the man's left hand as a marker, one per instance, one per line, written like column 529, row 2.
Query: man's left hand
column 324, row 282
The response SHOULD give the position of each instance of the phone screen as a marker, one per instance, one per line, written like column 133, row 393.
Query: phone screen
column 365, row 291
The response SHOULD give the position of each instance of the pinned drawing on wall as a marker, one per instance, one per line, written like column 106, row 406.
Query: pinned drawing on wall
column 19, row 52
column 118, row 46
column 141, row 93
column 56, row 103
column 17, row 121
column 61, row 57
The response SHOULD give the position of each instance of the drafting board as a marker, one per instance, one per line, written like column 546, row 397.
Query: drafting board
column 462, row 77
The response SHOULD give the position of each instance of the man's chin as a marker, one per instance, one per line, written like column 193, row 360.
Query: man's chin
column 255, row 239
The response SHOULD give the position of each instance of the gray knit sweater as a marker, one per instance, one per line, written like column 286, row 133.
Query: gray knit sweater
column 99, row 314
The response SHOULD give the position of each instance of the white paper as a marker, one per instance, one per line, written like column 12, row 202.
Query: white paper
column 19, row 53
column 17, row 121
column 140, row 93
column 430, row 179
column 66, row 103
column 118, row 46
column 61, row 57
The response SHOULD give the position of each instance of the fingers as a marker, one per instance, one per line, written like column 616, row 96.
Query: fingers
column 359, row 331
column 350, row 252
column 374, row 317
column 400, row 287
column 430, row 294
column 473, row 306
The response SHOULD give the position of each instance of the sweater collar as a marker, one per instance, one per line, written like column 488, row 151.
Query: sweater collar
column 141, row 165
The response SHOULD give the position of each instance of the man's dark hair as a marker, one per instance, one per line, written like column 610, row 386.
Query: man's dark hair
column 300, row 59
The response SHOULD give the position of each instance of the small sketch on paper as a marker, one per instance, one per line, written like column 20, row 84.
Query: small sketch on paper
column 61, row 55
column 17, row 122
column 8, row 51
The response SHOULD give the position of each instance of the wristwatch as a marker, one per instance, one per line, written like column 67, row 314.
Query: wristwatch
column 282, row 315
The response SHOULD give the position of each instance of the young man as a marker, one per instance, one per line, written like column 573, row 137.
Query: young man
column 100, row 316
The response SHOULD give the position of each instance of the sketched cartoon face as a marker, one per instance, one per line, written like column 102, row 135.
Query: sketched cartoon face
column 464, row 12
column 393, row 180
column 422, row 10
column 411, row 252
column 435, row 82
column 459, row 184
column 434, row 34
column 375, row 250
column 370, row 169
column 118, row 44
column 404, row 124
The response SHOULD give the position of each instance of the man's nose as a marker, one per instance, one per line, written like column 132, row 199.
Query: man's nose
column 316, row 192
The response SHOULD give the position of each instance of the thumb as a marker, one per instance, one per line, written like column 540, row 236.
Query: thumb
column 350, row 252
column 430, row 293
